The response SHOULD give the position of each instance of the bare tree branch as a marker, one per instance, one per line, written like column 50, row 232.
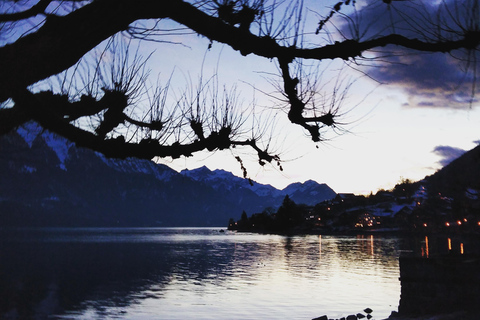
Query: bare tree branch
column 204, row 118
column 83, row 29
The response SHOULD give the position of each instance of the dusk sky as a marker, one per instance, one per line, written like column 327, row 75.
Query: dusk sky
column 403, row 119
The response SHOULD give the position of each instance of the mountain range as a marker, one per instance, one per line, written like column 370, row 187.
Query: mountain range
column 47, row 181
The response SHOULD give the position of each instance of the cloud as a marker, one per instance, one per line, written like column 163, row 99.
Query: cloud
column 447, row 153
column 429, row 79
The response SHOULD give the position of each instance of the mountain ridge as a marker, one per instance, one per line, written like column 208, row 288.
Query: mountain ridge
column 309, row 192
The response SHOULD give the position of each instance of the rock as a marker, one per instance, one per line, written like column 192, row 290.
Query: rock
column 368, row 310
column 360, row 316
column 369, row 316
column 321, row 318
column 352, row 317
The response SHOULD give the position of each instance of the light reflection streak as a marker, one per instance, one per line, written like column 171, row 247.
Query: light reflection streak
column 437, row 245
column 319, row 247
column 426, row 246
column 371, row 245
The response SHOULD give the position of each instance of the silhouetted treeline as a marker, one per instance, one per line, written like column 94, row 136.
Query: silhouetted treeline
column 289, row 217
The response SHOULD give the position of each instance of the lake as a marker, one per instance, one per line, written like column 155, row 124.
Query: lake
column 197, row 273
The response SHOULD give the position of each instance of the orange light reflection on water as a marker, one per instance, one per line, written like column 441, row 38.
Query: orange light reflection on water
column 371, row 244
column 426, row 246
column 319, row 247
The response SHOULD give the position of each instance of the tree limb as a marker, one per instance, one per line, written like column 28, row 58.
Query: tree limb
column 38, row 110
column 61, row 42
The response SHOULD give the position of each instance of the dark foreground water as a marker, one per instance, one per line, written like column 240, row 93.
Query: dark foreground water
column 196, row 273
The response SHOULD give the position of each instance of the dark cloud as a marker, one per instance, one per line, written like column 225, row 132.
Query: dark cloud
column 430, row 80
column 447, row 153
column 433, row 80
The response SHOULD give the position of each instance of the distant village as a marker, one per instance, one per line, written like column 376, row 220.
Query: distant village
column 409, row 207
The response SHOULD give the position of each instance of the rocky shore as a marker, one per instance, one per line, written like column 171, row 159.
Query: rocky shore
column 458, row 315
column 367, row 315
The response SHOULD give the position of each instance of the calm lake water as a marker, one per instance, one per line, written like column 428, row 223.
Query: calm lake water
column 196, row 273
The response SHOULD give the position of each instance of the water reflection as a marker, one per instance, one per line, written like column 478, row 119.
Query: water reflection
column 433, row 245
column 194, row 273
column 442, row 277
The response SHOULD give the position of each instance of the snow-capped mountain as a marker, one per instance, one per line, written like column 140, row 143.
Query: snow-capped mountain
column 134, row 165
column 61, row 146
column 31, row 130
column 221, row 179
column 309, row 192
column 48, row 181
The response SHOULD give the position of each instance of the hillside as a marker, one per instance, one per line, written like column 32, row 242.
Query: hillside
column 461, row 174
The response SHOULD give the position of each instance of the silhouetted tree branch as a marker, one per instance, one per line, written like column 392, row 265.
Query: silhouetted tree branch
column 64, row 34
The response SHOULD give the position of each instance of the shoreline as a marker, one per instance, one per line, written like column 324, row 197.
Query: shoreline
column 393, row 231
